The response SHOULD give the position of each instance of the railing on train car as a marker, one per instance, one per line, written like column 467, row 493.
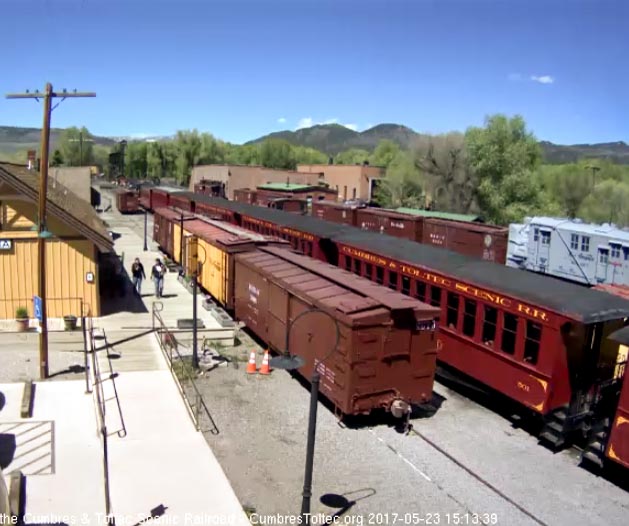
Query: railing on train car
column 169, row 347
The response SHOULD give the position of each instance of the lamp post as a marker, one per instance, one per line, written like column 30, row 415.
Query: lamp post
column 145, row 221
column 197, row 265
column 290, row 362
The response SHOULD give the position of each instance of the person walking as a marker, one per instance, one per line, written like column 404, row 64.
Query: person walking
column 137, row 273
column 157, row 274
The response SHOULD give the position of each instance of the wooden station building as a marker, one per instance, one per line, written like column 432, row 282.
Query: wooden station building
column 74, row 252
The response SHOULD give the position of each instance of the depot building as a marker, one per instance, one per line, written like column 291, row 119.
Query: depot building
column 77, row 244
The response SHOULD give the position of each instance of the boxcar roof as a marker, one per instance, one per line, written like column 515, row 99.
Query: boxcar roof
column 569, row 299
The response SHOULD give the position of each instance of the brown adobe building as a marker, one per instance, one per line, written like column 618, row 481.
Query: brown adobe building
column 350, row 181
column 236, row 177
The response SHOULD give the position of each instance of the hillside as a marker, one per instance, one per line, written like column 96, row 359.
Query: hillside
column 333, row 138
column 14, row 138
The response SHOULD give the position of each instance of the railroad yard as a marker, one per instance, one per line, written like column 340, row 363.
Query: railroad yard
column 461, row 464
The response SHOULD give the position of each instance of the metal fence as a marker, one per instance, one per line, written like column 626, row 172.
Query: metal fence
column 195, row 404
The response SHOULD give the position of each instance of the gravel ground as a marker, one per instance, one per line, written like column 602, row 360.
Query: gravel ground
column 262, row 440
column 19, row 354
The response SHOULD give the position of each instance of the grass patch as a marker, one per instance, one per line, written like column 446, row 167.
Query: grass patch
column 183, row 369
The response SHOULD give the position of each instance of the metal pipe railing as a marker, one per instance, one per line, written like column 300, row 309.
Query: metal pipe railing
column 194, row 409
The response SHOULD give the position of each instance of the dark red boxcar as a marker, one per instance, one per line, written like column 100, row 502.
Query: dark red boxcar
column 182, row 201
column 127, row 201
column 163, row 228
column 390, row 222
column 387, row 350
column 472, row 239
column 245, row 195
column 145, row 197
column 334, row 212
column 159, row 198
column 214, row 210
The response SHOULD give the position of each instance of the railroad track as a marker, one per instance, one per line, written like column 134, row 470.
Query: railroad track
column 465, row 468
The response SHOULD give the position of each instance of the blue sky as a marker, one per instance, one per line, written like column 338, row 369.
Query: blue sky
column 243, row 68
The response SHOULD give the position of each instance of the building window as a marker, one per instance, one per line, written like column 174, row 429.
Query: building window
column 420, row 290
column 615, row 251
column 469, row 318
column 435, row 296
column 357, row 266
column 368, row 270
column 345, row 193
column 348, row 263
column 574, row 241
column 490, row 321
column 379, row 275
column 531, row 344
column 603, row 256
column 585, row 243
column 406, row 285
column 452, row 315
column 509, row 333
column 536, row 234
column 545, row 238
column 625, row 251
column 393, row 280
column 353, row 193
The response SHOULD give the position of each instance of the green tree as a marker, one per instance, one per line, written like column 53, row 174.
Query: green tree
column 76, row 146
column 135, row 160
column 403, row 184
column 504, row 157
column 276, row 153
column 384, row 153
column 568, row 185
column 303, row 155
column 188, row 146
column 450, row 182
column 57, row 159
column 607, row 203
column 352, row 156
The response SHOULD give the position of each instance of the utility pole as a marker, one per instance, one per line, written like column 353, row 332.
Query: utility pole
column 42, row 233
column 80, row 141
column 594, row 170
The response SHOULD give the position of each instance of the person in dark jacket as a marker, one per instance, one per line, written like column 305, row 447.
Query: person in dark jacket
column 137, row 274
column 157, row 273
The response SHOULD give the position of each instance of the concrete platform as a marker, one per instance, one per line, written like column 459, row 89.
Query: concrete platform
column 176, row 304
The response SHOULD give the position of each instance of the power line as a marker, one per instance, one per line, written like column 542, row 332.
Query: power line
column 47, row 95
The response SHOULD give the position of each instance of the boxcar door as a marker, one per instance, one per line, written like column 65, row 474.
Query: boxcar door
column 602, row 263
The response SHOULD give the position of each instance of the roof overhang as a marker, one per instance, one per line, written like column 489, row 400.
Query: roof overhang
column 27, row 193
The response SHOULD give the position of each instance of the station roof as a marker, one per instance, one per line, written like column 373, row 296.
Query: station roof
column 62, row 203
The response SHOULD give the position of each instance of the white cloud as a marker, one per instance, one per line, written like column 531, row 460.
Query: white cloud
column 281, row 120
column 308, row 122
column 544, row 79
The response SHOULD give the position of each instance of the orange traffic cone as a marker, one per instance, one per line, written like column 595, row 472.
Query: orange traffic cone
column 265, row 369
column 251, row 366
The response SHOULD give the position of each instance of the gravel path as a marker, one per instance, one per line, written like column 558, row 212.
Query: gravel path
column 262, row 440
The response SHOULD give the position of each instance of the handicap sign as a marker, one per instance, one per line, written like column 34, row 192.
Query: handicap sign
column 37, row 305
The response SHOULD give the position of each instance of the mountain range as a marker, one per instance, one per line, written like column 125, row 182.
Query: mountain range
column 332, row 139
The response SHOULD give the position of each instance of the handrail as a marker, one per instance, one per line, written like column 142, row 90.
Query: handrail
column 101, row 422
column 167, row 347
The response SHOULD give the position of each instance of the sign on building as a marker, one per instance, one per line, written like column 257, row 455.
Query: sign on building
column 5, row 244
